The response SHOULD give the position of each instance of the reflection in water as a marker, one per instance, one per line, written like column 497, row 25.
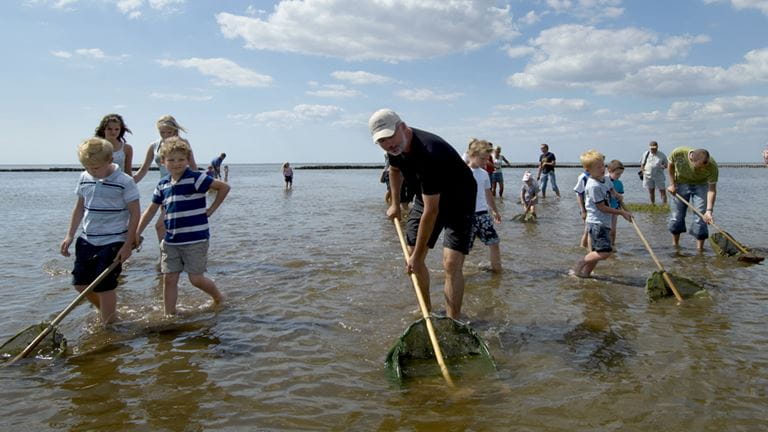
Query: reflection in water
column 98, row 392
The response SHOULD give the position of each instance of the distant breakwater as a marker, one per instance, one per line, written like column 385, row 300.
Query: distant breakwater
column 513, row 165
column 372, row 166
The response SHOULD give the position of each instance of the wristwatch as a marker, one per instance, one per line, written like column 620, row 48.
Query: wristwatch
column 710, row 210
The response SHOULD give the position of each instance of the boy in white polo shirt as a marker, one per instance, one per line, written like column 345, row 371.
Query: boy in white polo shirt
column 108, row 207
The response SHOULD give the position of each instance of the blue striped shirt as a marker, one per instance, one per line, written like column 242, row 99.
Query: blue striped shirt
column 106, row 215
column 185, row 207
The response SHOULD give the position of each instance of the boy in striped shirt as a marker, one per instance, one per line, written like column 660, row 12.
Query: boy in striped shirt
column 185, row 245
column 108, row 207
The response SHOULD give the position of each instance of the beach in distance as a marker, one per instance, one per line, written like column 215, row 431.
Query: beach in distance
column 317, row 295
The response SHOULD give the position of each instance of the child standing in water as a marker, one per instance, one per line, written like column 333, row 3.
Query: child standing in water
column 482, row 227
column 615, row 170
column 185, row 245
column 288, row 176
column 167, row 127
column 529, row 195
column 108, row 207
column 113, row 129
column 598, row 219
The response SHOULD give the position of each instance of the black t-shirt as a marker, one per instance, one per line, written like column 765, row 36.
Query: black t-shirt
column 437, row 168
column 547, row 157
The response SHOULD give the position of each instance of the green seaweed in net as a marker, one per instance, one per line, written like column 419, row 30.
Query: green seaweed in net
column 53, row 345
column 463, row 350
column 524, row 218
column 656, row 288
column 722, row 245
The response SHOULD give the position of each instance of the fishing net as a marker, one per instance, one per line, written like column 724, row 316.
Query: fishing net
column 524, row 218
column 722, row 245
column 656, row 288
column 462, row 348
column 53, row 345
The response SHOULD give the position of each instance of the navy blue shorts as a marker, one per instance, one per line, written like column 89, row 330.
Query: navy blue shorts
column 601, row 237
column 91, row 261
column 458, row 229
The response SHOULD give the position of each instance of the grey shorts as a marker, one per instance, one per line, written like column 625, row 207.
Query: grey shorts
column 657, row 181
column 191, row 258
column 601, row 237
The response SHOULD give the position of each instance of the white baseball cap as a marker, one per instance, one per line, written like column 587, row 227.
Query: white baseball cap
column 383, row 124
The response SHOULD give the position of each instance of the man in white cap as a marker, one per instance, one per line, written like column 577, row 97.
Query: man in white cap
column 446, row 201
column 652, row 165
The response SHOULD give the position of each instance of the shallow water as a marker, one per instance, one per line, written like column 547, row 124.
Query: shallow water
column 317, row 296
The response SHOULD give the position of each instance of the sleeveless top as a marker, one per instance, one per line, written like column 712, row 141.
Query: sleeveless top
column 158, row 159
column 118, row 157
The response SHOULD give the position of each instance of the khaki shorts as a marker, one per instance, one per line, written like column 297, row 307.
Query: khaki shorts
column 191, row 258
column 656, row 181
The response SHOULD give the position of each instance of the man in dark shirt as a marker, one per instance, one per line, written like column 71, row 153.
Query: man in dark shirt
column 216, row 164
column 445, row 201
column 547, row 171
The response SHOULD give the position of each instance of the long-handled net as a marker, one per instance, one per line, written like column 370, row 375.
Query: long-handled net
column 53, row 345
column 412, row 355
column 656, row 288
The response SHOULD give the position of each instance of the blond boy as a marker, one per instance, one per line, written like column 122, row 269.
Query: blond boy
column 108, row 207
column 482, row 226
column 185, row 246
column 596, row 200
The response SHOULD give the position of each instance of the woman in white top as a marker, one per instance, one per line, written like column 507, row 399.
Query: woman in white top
column 113, row 129
column 167, row 127
column 497, row 178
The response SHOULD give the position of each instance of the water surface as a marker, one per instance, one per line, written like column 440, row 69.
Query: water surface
column 317, row 296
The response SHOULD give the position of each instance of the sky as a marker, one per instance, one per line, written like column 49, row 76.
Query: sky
column 276, row 81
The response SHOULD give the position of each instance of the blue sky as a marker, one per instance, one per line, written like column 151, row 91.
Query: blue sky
column 274, row 81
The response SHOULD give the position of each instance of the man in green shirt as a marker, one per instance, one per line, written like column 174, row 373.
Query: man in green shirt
column 693, row 175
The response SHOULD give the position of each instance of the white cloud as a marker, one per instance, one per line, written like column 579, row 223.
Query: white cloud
column 551, row 104
column 392, row 30
column 421, row 95
column 529, row 18
column 289, row 119
column 131, row 8
column 61, row 54
column 761, row 5
column 180, row 97
column 519, row 51
column 334, row 91
column 590, row 10
column 88, row 54
column 361, row 77
column 574, row 56
column 225, row 72
column 681, row 80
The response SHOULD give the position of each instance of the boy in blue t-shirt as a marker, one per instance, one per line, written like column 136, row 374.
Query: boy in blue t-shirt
column 185, row 245
column 596, row 200
column 615, row 170
column 108, row 207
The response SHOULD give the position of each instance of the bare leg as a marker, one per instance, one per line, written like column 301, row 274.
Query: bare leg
column 495, row 258
column 108, row 309
column 170, row 292
column 453, row 262
column 700, row 245
column 92, row 297
column 207, row 286
column 663, row 195
column 652, row 195
column 501, row 189
column 676, row 240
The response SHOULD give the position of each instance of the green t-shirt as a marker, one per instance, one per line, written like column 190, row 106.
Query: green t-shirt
column 684, row 172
